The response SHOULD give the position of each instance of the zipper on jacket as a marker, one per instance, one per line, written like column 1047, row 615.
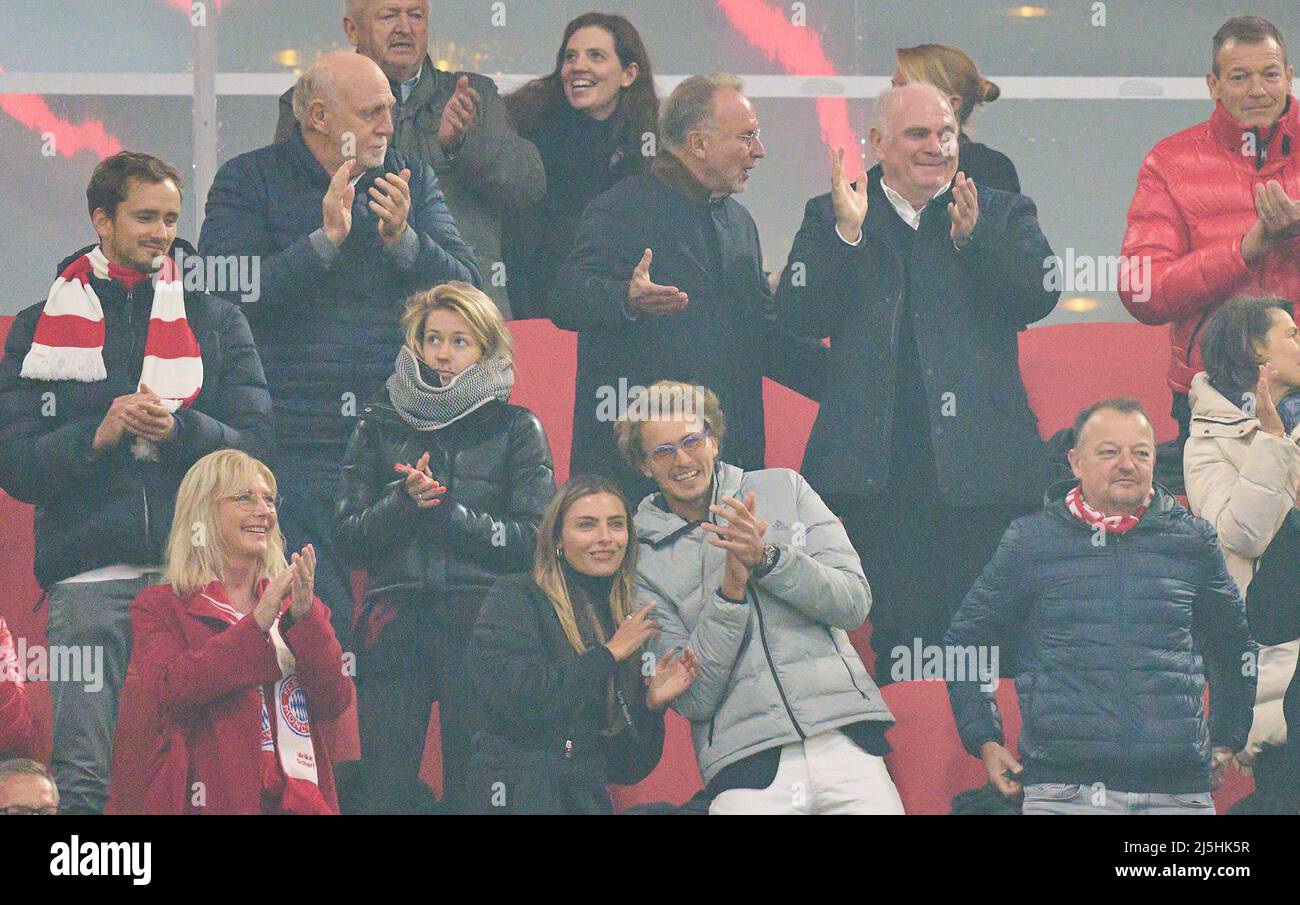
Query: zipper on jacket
column 762, row 637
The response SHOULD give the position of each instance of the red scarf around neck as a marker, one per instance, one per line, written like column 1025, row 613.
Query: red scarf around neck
column 1113, row 524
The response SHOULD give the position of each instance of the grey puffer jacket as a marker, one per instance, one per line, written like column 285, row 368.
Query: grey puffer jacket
column 778, row 668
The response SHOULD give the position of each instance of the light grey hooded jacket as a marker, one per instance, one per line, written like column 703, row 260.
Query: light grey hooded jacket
column 778, row 668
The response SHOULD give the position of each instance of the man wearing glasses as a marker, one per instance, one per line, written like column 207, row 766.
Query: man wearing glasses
column 666, row 282
column 752, row 572
column 27, row 789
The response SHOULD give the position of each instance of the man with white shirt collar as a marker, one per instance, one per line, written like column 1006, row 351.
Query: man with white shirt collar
column 924, row 442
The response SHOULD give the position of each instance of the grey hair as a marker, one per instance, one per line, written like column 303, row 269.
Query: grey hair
column 317, row 82
column 690, row 106
column 354, row 8
column 888, row 99
column 21, row 766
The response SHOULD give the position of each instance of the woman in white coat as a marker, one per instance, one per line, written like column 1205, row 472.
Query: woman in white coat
column 1242, row 468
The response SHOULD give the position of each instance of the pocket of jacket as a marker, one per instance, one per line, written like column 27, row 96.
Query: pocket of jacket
column 851, row 678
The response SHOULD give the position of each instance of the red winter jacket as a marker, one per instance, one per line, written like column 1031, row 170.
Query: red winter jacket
column 206, row 676
column 17, row 734
column 1194, row 203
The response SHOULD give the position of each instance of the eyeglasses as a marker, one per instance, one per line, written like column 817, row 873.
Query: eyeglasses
column 749, row 138
column 248, row 501
column 665, row 453
column 18, row 810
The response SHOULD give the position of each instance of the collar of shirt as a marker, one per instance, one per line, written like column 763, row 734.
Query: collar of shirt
column 409, row 85
column 911, row 216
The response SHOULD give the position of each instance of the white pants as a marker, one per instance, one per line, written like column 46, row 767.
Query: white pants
column 825, row 774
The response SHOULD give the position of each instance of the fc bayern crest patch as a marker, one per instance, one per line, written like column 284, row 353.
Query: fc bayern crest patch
column 293, row 707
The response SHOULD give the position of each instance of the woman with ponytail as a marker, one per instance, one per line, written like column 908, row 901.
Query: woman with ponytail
column 557, row 663
column 953, row 72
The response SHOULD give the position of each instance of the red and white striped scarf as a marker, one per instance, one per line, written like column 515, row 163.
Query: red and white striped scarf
column 1113, row 524
column 69, row 339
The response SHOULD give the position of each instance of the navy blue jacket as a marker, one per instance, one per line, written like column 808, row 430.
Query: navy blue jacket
column 966, row 308
column 1110, row 676
column 724, row 339
column 327, row 334
column 115, row 508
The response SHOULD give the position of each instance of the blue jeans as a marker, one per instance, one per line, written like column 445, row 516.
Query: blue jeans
column 1073, row 798
column 89, row 632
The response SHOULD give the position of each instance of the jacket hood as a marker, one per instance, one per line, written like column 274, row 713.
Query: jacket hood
column 1054, row 501
column 657, row 525
column 186, row 248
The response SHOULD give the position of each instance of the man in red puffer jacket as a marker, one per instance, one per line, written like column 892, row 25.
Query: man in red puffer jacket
column 1216, row 212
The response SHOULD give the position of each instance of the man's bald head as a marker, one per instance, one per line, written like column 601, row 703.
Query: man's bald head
column 896, row 103
column 344, row 105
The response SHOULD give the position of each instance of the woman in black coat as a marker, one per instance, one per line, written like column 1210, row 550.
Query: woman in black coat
column 556, row 662
column 953, row 72
column 594, row 121
column 443, row 486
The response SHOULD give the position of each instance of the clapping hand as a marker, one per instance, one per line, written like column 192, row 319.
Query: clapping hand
column 458, row 115
column 963, row 210
column 336, row 207
column 850, row 201
column 672, row 678
column 390, row 199
column 1270, row 422
column 420, row 483
column 303, row 568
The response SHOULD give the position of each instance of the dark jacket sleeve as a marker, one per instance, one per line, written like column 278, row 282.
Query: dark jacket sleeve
column 511, row 672
column 590, row 291
column 374, row 511
column 991, row 613
column 236, row 223
column 511, row 535
column 1005, row 261
column 1220, row 629
column 817, row 283
column 318, row 661
column 234, row 409
column 443, row 255
column 42, row 457
column 504, row 167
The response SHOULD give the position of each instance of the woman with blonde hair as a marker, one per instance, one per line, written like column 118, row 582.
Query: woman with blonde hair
column 556, row 662
column 443, row 485
column 239, row 654
column 953, row 72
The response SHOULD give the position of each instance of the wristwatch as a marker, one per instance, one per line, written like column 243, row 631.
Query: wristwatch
column 771, row 553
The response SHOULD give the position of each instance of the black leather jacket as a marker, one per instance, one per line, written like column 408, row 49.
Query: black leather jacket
column 496, row 465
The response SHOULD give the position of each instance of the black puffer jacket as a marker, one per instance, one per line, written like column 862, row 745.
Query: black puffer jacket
column 1110, row 675
column 116, row 508
column 542, row 735
column 496, row 465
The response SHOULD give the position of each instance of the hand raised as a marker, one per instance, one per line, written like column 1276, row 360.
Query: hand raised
column 1270, row 422
column 743, row 533
column 646, row 297
column 303, row 569
column 458, row 115
column 850, row 201
column 390, row 199
column 420, row 483
column 633, row 633
column 336, row 207
column 672, row 678
column 272, row 599
column 963, row 210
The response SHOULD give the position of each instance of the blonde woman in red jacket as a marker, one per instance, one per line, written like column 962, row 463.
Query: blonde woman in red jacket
column 239, row 655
